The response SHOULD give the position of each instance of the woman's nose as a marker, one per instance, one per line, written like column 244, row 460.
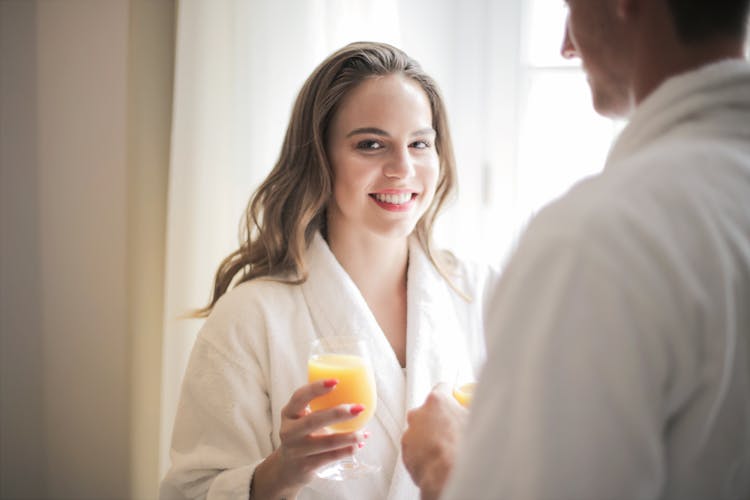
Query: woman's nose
column 400, row 165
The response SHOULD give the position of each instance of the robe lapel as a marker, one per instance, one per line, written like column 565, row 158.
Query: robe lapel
column 435, row 342
column 338, row 308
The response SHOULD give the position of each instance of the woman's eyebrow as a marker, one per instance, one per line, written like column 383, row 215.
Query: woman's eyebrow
column 368, row 130
column 381, row 132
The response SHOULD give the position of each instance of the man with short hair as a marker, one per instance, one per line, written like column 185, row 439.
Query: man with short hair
column 619, row 336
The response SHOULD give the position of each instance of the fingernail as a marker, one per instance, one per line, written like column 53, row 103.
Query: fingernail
column 330, row 383
column 366, row 434
column 356, row 409
column 360, row 445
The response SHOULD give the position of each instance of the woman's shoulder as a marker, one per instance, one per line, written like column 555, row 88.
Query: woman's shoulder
column 257, row 296
column 251, row 309
column 470, row 274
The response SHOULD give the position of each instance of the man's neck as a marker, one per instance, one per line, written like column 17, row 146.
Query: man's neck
column 662, row 65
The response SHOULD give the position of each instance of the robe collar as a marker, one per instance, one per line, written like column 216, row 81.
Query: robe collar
column 718, row 87
column 434, row 340
column 435, row 345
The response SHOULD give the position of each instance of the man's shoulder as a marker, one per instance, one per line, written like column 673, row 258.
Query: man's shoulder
column 662, row 201
column 592, row 205
column 605, row 214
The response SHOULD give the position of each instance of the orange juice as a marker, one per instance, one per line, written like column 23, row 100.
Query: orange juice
column 464, row 393
column 356, row 386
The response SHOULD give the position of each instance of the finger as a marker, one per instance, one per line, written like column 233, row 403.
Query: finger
column 296, row 405
column 414, row 414
column 312, row 445
column 438, row 397
column 324, row 418
column 315, row 445
column 405, row 439
column 315, row 422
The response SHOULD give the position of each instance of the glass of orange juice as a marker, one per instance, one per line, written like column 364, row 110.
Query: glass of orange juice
column 463, row 386
column 346, row 359
column 464, row 393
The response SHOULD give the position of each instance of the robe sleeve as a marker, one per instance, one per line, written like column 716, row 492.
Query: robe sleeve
column 223, row 425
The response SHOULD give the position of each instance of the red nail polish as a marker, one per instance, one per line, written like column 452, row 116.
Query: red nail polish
column 356, row 409
column 361, row 445
column 366, row 434
column 330, row 383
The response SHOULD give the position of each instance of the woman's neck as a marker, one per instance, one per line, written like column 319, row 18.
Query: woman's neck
column 377, row 265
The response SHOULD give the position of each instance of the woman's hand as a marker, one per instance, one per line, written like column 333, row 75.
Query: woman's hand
column 305, row 445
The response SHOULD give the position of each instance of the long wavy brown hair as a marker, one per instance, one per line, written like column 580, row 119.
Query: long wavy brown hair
column 289, row 207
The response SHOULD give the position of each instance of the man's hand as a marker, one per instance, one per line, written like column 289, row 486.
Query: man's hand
column 431, row 440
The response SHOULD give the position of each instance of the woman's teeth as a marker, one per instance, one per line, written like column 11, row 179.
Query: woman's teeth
column 393, row 199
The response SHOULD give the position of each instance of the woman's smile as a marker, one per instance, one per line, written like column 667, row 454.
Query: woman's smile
column 395, row 200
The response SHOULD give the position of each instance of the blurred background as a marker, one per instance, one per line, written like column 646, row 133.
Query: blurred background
column 132, row 133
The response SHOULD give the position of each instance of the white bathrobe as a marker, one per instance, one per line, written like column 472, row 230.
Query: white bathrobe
column 252, row 354
column 619, row 338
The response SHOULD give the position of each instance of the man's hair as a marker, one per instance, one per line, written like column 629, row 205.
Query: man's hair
column 700, row 20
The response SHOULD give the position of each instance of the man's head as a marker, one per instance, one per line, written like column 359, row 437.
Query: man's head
column 699, row 20
column 629, row 47
column 595, row 34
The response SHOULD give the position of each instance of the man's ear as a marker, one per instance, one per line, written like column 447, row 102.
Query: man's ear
column 627, row 9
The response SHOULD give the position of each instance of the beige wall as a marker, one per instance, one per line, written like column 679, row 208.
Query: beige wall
column 22, row 440
column 85, row 104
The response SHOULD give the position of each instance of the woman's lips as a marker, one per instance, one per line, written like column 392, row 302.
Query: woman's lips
column 394, row 201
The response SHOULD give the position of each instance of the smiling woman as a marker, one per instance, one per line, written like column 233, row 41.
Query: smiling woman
column 337, row 242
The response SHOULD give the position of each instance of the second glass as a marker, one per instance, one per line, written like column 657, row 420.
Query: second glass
column 464, row 385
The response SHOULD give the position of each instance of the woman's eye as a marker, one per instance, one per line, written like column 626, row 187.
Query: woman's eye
column 369, row 145
column 420, row 144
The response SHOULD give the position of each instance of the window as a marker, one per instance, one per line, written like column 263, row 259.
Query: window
column 561, row 138
column 545, row 132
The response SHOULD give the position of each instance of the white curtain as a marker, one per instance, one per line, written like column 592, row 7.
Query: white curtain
column 239, row 65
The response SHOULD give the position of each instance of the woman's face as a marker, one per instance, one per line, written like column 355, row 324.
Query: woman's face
column 381, row 145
